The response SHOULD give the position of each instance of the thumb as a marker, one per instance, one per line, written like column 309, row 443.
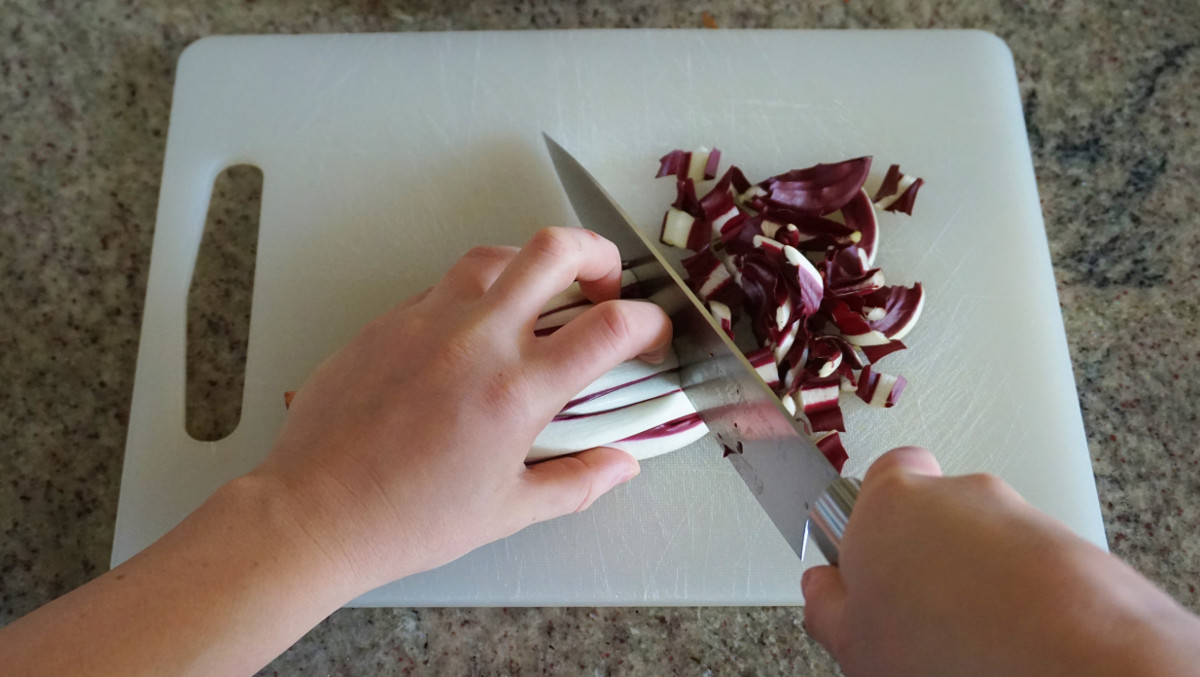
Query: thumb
column 568, row 484
column 824, row 606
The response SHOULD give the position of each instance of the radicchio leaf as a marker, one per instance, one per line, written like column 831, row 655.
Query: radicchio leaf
column 820, row 189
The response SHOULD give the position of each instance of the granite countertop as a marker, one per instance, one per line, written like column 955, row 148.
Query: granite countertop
column 1109, row 91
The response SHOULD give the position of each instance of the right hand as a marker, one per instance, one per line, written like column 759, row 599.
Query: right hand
column 960, row 576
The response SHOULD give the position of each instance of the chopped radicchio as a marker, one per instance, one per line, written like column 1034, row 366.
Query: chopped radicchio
column 892, row 311
column 878, row 389
column 897, row 192
column 795, row 256
column 819, row 401
column 859, row 215
column 697, row 165
column 830, row 444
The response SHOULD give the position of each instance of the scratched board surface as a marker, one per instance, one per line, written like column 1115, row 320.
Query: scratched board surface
column 387, row 156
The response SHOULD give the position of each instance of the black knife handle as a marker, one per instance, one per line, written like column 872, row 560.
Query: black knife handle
column 829, row 515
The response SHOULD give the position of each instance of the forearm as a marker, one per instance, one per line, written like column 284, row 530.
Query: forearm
column 1148, row 632
column 224, row 592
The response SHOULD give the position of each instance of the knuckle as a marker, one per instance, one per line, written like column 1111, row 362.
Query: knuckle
column 985, row 483
column 613, row 325
column 580, row 494
column 476, row 269
column 892, row 485
column 552, row 243
column 482, row 253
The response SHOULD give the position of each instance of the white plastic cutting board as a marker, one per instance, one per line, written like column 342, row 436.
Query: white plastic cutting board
column 386, row 156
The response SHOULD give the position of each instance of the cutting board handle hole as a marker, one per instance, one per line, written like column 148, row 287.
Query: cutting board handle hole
column 218, row 304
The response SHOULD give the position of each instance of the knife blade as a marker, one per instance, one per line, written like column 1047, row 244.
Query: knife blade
column 785, row 471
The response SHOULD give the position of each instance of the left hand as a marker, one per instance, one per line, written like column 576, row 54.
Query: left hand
column 405, row 449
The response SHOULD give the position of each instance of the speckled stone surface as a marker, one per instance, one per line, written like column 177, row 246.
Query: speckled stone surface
column 1110, row 91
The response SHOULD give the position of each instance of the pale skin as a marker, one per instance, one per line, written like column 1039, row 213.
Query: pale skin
column 404, row 451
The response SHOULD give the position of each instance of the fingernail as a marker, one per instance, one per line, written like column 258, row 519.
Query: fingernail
column 655, row 356
column 625, row 475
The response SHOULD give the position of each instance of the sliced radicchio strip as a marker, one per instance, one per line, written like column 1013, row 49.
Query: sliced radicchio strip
column 791, row 367
column 707, row 275
column 763, row 362
column 824, row 358
column 807, row 279
column 764, row 290
column 819, row 402
column 807, row 232
column 878, row 389
column 676, row 228
column 893, row 311
column 697, row 165
column 847, row 273
column 898, row 191
column 854, row 327
column 854, row 357
column 721, row 208
column 723, row 316
column 830, row 444
column 684, row 224
column 739, row 239
column 849, row 382
column 859, row 215
column 877, row 353
column 820, row 189
column 781, row 342
column 737, row 180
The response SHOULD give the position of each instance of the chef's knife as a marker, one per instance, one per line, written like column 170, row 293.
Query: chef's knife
column 792, row 480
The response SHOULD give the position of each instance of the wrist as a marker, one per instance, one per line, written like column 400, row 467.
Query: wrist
column 1126, row 625
column 265, row 520
column 327, row 522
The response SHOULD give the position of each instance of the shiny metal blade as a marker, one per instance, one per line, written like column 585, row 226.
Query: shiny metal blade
column 784, row 470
